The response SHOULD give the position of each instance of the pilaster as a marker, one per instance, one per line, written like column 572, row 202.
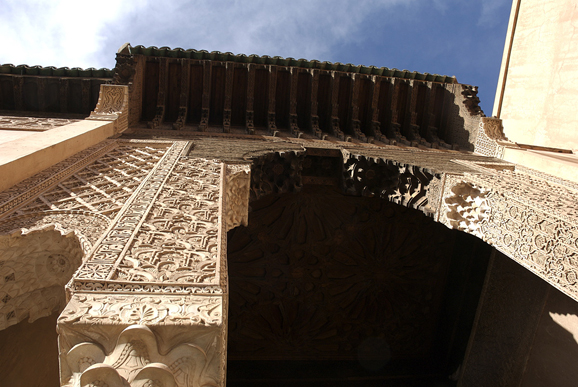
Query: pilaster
column 149, row 305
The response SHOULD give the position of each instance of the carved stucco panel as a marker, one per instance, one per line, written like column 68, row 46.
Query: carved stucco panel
column 161, row 264
column 178, row 241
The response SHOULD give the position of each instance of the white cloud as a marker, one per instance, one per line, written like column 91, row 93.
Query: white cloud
column 63, row 33
column 83, row 34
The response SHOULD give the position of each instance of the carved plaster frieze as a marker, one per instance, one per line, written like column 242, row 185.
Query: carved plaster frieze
column 29, row 189
column 491, row 139
column 153, row 309
column 238, row 185
column 128, row 221
column 102, row 187
column 278, row 172
column 112, row 105
column 161, row 263
column 178, row 242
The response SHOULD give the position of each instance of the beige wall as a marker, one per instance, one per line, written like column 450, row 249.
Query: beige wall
column 537, row 95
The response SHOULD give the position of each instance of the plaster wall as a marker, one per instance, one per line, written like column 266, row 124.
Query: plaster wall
column 538, row 86
column 10, row 135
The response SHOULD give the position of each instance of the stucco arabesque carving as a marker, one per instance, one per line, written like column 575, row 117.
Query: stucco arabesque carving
column 491, row 139
column 530, row 219
column 112, row 105
column 162, row 261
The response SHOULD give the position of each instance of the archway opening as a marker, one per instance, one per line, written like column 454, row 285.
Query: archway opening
column 328, row 288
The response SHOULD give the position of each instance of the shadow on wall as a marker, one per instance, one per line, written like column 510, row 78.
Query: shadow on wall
column 554, row 354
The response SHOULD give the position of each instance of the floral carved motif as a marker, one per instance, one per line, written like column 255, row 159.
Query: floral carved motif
column 137, row 309
column 178, row 240
column 137, row 361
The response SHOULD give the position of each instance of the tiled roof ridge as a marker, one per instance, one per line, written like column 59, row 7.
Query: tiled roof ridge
column 279, row 61
column 23, row 69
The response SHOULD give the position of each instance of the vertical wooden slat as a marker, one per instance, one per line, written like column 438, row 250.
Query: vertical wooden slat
column 230, row 75
column 249, row 116
column 271, row 125
column 335, row 126
column 162, row 95
column 207, row 68
column 183, row 94
column 315, row 104
column 293, row 124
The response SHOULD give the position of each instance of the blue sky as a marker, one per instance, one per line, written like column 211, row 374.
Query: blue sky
column 464, row 38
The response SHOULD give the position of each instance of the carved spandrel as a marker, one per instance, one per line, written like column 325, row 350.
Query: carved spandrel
column 520, row 215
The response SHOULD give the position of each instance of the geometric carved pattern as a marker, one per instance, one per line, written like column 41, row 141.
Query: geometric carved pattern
column 101, row 187
column 110, row 249
column 178, row 241
column 33, row 123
